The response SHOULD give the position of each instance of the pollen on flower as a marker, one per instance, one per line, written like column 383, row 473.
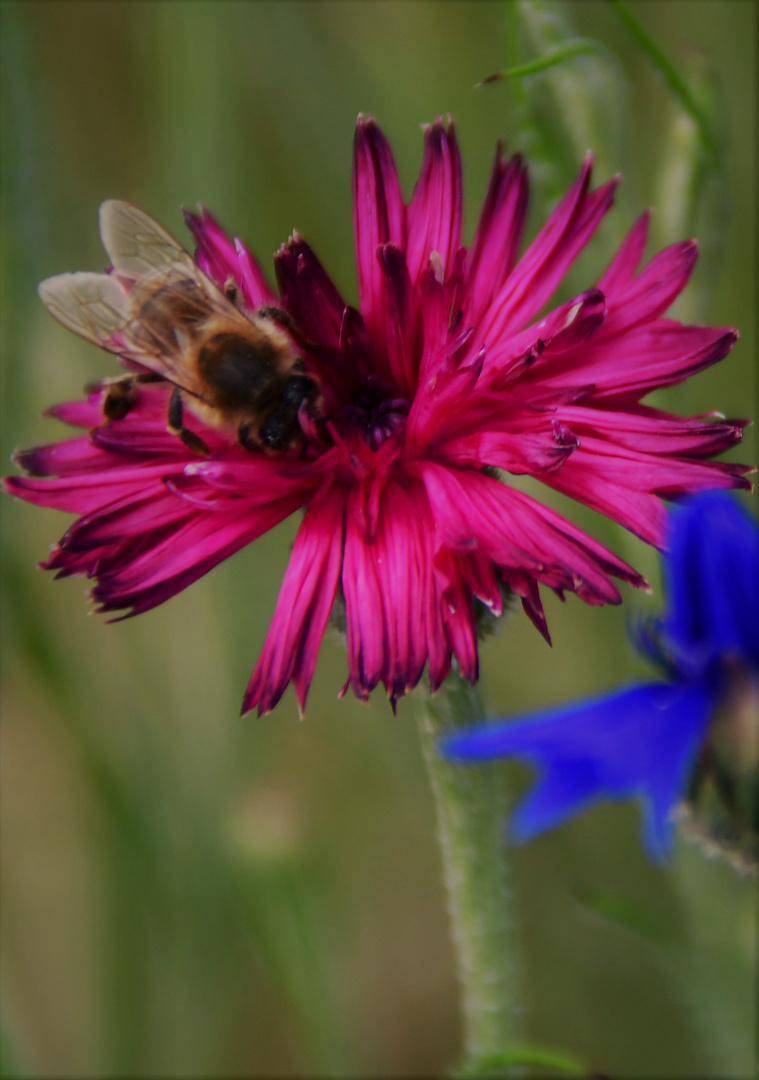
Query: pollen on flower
column 395, row 427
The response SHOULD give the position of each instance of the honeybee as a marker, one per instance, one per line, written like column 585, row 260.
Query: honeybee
column 237, row 370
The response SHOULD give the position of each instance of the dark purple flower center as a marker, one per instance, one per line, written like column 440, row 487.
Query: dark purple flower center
column 376, row 411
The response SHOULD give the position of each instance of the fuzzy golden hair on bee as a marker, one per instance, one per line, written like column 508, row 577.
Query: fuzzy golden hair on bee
column 237, row 371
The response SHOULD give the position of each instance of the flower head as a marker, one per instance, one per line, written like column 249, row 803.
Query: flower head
column 448, row 371
column 644, row 739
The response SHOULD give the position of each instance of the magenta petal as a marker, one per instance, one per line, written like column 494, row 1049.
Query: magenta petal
column 364, row 608
column 624, row 264
column 141, row 598
column 516, row 531
column 625, row 485
column 70, row 457
column 136, row 441
column 499, row 232
column 565, row 328
column 479, row 575
column 379, row 217
column 308, row 293
column 139, row 513
column 434, row 299
column 396, row 616
column 403, row 577
column 400, row 320
column 653, row 290
column 544, row 449
column 223, row 259
column 653, row 431
column 85, row 414
column 169, row 557
column 256, row 479
column 305, row 602
column 84, row 492
column 251, row 278
column 626, row 367
column 458, row 614
column 541, row 268
column 434, row 213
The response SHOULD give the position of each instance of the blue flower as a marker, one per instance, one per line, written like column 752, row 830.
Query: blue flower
column 643, row 739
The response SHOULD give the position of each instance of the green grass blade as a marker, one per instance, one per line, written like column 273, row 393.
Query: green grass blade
column 578, row 47
column 671, row 76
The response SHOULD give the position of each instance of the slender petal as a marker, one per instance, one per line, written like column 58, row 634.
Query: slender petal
column 308, row 293
column 548, row 258
column 223, row 259
column 379, row 217
column 648, row 295
column 434, row 214
column 499, row 231
column 305, row 601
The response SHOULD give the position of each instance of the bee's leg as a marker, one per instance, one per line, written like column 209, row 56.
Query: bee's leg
column 277, row 315
column 247, row 439
column 176, row 426
column 127, row 380
column 281, row 318
column 120, row 392
column 148, row 377
column 232, row 294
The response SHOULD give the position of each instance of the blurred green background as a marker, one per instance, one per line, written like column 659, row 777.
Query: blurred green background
column 185, row 894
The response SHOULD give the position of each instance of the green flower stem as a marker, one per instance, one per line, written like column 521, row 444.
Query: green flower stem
column 471, row 810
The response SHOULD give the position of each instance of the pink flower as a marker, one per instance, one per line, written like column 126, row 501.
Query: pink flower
column 448, row 372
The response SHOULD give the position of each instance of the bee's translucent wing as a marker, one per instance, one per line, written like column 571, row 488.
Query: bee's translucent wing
column 92, row 305
column 136, row 244
column 153, row 304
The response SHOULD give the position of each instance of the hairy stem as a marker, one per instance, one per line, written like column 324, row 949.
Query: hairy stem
column 470, row 811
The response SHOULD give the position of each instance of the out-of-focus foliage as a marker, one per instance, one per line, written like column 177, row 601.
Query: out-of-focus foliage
column 188, row 894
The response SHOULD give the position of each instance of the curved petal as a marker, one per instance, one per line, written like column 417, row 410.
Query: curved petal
column 222, row 259
column 84, row 492
column 650, row 293
column 474, row 511
column 303, row 608
column 401, row 328
column 165, row 559
column 652, row 431
column 499, row 232
column 388, row 590
column 69, row 457
column 379, row 217
column 623, row 369
column 455, row 600
column 626, row 485
column 434, row 213
column 85, row 414
column 622, row 267
column 308, row 293
column 543, row 265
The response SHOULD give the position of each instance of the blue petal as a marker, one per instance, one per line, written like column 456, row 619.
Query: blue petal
column 712, row 576
column 638, row 741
